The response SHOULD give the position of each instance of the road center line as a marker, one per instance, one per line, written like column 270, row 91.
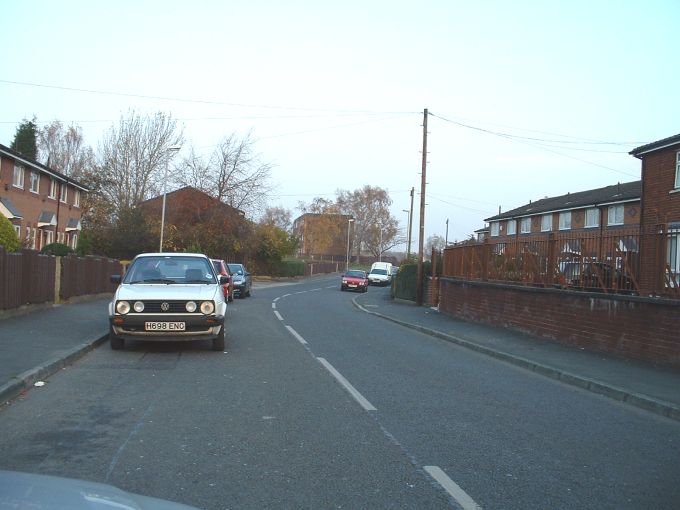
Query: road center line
column 276, row 299
column 452, row 488
column 346, row 384
column 278, row 315
column 274, row 306
column 296, row 335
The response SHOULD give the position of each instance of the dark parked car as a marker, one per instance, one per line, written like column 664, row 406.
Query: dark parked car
column 221, row 270
column 354, row 279
column 596, row 277
column 243, row 281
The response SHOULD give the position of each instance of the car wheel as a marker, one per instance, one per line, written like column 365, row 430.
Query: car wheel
column 248, row 293
column 230, row 299
column 342, row 287
column 116, row 342
column 218, row 343
column 365, row 289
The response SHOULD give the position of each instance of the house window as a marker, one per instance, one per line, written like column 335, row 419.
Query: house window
column 74, row 241
column 512, row 227
column 50, row 237
column 17, row 229
column 76, row 198
column 35, row 182
column 565, row 220
column 615, row 215
column 592, row 217
column 494, row 229
column 677, row 170
column 53, row 188
column 525, row 226
column 18, row 179
column 64, row 193
column 673, row 256
column 30, row 238
column 546, row 223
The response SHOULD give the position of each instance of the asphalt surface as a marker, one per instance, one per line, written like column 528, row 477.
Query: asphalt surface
column 268, row 424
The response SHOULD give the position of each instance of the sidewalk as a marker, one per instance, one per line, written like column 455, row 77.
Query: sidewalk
column 650, row 387
column 38, row 343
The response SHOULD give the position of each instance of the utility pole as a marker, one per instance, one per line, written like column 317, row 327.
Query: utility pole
column 420, row 276
column 446, row 240
column 410, row 224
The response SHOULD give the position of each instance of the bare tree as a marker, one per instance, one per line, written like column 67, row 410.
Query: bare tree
column 63, row 149
column 279, row 217
column 375, row 229
column 132, row 157
column 234, row 174
column 435, row 242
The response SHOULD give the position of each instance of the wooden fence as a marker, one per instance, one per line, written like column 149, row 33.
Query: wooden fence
column 28, row 277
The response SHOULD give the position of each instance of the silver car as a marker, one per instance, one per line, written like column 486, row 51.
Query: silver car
column 168, row 296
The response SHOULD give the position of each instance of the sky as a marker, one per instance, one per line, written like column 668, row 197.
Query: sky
column 527, row 99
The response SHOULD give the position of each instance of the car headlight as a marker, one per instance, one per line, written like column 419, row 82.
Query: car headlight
column 122, row 307
column 138, row 306
column 207, row 307
column 190, row 307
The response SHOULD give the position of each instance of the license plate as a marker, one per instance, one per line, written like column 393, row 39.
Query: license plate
column 164, row 326
column 352, row 285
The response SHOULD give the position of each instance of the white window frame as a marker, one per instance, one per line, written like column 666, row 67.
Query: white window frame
column 30, row 238
column 673, row 253
column 53, row 188
column 34, row 185
column 74, row 241
column 592, row 217
column 525, row 225
column 17, row 229
column 677, row 170
column 76, row 198
column 18, row 177
column 546, row 222
column 565, row 220
column 615, row 215
column 50, row 237
column 494, row 229
column 511, row 228
column 63, row 194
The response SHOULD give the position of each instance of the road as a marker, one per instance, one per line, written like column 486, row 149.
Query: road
column 316, row 404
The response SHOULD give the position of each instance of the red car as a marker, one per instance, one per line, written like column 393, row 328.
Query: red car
column 354, row 279
column 221, row 270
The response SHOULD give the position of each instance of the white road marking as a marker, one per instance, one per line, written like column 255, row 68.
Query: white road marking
column 296, row 335
column 276, row 299
column 331, row 286
column 452, row 488
column 285, row 295
column 278, row 315
column 344, row 382
column 274, row 305
column 314, row 290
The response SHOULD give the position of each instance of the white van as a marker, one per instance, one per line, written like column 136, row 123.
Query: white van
column 380, row 273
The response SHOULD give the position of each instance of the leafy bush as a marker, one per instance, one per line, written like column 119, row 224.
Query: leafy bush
column 8, row 236
column 58, row 249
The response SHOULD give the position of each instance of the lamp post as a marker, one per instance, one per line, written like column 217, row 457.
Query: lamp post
column 171, row 149
column 380, row 247
column 349, row 223
column 408, row 250
column 446, row 242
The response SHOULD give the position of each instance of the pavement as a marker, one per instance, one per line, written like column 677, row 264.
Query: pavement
column 41, row 341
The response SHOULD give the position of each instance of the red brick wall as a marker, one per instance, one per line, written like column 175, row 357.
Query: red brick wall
column 631, row 327
column 660, row 207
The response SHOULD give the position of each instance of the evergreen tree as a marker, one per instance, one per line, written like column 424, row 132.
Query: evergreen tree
column 25, row 139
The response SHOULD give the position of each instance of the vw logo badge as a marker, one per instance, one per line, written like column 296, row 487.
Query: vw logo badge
column 165, row 306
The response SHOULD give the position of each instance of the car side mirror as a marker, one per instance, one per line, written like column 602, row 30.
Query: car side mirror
column 224, row 280
column 115, row 278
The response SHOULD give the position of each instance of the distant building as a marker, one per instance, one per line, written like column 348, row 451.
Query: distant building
column 322, row 235
column 43, row 205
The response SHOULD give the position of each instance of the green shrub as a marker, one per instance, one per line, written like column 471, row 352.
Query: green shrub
column 8, row 236
column 58, row 249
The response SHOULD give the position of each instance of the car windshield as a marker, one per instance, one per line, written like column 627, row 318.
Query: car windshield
column 235, row 268
column 169, row 270
column 355, row 274
column 379, row 271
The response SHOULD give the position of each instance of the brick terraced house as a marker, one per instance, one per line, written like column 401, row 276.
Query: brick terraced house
column 660, row 217
column 43, row 205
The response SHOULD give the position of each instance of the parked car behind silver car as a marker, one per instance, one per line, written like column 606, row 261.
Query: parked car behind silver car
column 243, row 281
column 168, row 296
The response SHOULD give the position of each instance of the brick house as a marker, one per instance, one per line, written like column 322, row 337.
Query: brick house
column 584, row 213
column 660, row 216
column 322, row 235
column 43, row 205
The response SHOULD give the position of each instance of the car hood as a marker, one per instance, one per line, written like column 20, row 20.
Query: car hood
column 41, row 492
column 144, row 291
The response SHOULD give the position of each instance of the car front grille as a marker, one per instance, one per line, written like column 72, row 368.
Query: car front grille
column 172, row 306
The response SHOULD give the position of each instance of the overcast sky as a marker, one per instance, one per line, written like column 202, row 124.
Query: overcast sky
column 523, row 94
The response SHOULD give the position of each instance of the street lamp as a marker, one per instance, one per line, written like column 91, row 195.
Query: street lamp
column 171, row 149
column 380, row 247
column 349, row 223
column 408, row 216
